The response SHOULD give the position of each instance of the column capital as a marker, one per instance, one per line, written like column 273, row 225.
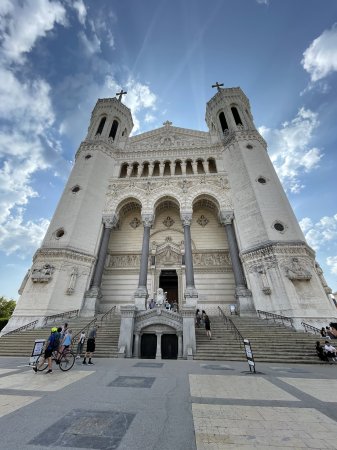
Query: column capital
column 226, row 217
column 110, row 221
column 147, row 220
column 186, row 217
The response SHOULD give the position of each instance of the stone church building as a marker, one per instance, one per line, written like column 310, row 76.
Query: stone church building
column 200, row 216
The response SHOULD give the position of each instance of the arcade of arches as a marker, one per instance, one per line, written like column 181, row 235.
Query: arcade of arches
column 212, row 266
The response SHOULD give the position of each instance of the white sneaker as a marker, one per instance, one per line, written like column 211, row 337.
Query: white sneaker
column 78, row 357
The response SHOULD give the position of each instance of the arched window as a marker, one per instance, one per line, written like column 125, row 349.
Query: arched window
column 101, row 126
column 236, row 116
column 124, row 169
column 223, row 122
column 113, row 130
column 212, row 165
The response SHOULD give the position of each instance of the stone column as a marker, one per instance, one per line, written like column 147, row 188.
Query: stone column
column 140, row 169
column 243, row 295
column 141, row 293
column 151, row 167
column 189, row 342
column 180, row 344
column 205, row 166
column 161, row 169
column 171, row 168
column 183, row 167
column 93, row 295
column 191, row 294
column 126, row 331
column 129, row 170
column 136, row 345
column 195, row 167
column 158, row 352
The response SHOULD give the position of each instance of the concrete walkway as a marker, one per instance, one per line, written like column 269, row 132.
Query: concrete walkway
column 168, row 405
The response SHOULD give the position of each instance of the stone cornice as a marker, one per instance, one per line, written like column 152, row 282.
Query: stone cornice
column 272, row 248
column 235, row 137
column 63, row 253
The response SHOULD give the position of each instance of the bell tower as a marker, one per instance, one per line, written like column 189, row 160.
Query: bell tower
column 65, row 264
column 270, row 240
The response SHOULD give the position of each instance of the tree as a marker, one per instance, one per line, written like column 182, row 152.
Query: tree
column 6, row 307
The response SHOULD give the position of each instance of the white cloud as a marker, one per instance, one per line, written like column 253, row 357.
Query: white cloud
column 263, row 2
column 321, row 233
column 20, row 236
column 290, row 149
column 332, row 263
column 149, row 118
column 81, row 10
column 23, row 22
column 92, row 45
column 320, row 58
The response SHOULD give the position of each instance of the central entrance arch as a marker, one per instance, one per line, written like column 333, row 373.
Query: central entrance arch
column 168, row 281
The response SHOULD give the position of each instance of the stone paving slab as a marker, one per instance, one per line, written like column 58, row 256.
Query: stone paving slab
column 236, row 387
column 322, row 389
column 241, row 427
column 10, row 403
column 133, row 382
column 41, row 381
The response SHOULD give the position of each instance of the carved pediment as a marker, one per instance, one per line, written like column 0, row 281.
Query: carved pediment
column 168, row 137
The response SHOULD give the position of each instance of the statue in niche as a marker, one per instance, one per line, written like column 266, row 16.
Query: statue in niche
column 160, row 297
column 296, row 271
column 24, row 282
column 322, row 279
column 263, row 279
column 72, row 281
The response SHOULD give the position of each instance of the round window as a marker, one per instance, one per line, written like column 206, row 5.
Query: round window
column 262, row 180
column 75, row 189
column 249, row 146
column 59, row 233
column 278, row 226
column 87, row 156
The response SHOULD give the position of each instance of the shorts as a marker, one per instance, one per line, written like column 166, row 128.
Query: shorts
column 48, row 353
column 90, row 345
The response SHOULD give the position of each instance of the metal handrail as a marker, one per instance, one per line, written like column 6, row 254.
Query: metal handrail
column 309, row 328
column 269, row 315
column 66, row 314
column 230, row 323
column 108, row 313
column 85, row 328
column 30, row 325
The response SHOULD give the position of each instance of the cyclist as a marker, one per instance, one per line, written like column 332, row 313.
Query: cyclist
column 51, row 345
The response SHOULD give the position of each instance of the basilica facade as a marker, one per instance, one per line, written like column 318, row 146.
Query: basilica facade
column 200, row 215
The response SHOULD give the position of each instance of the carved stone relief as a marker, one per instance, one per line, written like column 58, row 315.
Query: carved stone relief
column 202, row 221
column 43, row 275
column 168, row 222
column 72, row 281
column 135, row 222
column 295, row 270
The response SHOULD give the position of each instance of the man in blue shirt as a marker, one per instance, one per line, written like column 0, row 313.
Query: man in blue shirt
column 51, row 345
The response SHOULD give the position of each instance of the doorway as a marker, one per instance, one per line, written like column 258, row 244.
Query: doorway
column 169, row 346
column 168, row 281
column 148, row 346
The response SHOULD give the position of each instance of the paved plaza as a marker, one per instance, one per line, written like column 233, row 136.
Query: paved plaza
column 129, row 404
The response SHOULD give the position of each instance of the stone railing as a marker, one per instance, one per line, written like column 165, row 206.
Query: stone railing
column 277, row 318
column 28, row 326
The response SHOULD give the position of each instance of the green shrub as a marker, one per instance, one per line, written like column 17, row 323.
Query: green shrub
column 3, row 322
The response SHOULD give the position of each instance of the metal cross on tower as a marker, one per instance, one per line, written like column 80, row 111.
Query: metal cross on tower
column 217, row 85
column 120, row 94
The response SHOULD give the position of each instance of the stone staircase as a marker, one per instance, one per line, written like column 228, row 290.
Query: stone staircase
column 21, row 343
column 270, row 342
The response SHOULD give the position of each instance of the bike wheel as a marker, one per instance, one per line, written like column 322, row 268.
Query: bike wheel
column 43, row 366
column 67, row 361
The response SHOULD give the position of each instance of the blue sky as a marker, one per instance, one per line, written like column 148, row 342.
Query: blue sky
column 58, row 56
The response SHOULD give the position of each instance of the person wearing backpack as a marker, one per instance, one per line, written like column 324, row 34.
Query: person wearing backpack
column 49, row 348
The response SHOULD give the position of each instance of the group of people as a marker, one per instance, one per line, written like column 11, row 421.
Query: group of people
column 60, row 340
column 202, row 320
column 327, row 351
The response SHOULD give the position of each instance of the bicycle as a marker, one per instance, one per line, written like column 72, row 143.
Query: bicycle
column 65, row 361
